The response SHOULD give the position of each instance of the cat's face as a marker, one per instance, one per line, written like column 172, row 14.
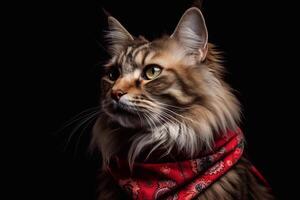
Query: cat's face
column 146, row 85
column 149, row 83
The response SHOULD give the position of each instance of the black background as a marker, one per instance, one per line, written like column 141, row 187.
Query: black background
column 61, row 55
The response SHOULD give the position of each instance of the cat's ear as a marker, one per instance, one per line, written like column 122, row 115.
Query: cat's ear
column 117, row 36
column 191, row 33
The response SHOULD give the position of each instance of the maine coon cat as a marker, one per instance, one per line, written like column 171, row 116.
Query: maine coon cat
column 165, row 104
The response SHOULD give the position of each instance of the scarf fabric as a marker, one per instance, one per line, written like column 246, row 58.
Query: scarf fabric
column 181, row 180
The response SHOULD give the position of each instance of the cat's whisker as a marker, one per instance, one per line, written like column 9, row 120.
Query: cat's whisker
column 132, row 153
column 105, row 103
column 163, row 108
column 79, row 116
column 181, row 116
column 172, row 106
column 88, row 123
column 78, row 127
column 159, row 143
column 154, row 127
column 168, row 105
column 138, row 114
column 165, row 114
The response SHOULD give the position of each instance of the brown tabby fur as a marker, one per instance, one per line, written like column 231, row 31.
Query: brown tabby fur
column 192, row 81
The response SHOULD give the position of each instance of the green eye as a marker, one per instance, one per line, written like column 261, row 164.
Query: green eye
column 113, row 74
column 152, row 71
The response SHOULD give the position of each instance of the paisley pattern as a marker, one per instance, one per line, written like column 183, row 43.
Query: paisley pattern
column 180, row 180
column 165, row 187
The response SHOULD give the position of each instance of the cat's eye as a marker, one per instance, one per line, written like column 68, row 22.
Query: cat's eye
column 152, row 71
column 113, row 74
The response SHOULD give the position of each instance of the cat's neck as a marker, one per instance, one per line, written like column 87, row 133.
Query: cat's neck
column 144, row 144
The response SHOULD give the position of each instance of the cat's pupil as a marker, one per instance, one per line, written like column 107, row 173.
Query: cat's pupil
column 154, row 69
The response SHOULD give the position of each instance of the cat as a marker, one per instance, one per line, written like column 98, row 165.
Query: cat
column 164, row 102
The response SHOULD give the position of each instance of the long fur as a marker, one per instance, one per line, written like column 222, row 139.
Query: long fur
column 181, row 110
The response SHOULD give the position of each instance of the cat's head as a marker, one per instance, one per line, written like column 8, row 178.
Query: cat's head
column 172, row 84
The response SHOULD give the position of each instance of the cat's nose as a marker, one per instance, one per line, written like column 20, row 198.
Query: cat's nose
column 117, row 94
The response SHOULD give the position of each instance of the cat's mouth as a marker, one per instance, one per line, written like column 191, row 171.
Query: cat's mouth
column 125, row 115
column 124, row 110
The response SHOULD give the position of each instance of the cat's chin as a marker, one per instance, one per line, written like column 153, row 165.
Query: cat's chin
column 131, row 121
column 136, row 123
column 126, row 119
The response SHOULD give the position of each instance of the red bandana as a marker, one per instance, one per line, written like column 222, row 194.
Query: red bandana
column 181, row 180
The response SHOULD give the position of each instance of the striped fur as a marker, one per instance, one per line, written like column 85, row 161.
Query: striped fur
column 181, row 110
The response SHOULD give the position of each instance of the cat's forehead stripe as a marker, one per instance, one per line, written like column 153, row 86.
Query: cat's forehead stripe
column 120, row 58
column 145, row 56
column 128, row 55
column 128, row 51
column 133, row 57
column 139, row 53
column 139, row 57
column 139, row 49
column 149, row 56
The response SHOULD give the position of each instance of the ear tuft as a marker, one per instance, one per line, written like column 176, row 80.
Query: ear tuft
column 191, row 32
column 117, row 36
